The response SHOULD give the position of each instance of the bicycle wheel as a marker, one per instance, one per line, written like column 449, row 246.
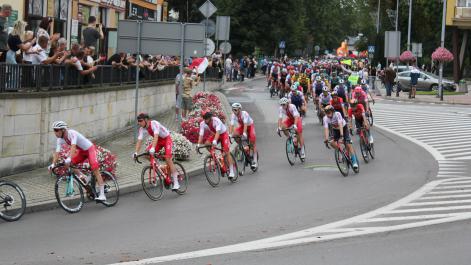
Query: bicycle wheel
column 290, row 151
column 342, row 162
column 69, row 194
column 111, row 189
column 369, row 115
column 212, row 171
column 152, row 187
column 13, row 201
column 240, row 160
column 182, row 178
column 254, row 169
column 236, row 168
column 371, row 150
column 364, row 150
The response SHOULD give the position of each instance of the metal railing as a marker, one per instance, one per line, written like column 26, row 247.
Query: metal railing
column 28, row 77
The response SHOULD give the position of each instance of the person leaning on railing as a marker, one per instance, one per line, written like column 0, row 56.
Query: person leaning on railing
column 40, row 56
column 117, row 60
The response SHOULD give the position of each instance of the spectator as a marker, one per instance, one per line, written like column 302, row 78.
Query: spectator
column 43, row 30
column 31, row 40
column 89, row 53
column 414, row 77
column 178, row 95
column 117, row 60
column 79, row 65
column 62, row 48
column 5, row 12
column 187, row 100
column 15, row 41
column 40, row 54
column 389, row 77
column 228, row 68
column 242, row 69
column 92, row 33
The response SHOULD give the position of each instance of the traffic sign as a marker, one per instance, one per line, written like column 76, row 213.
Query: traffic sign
column 282, row 44
column 223, row 27
column 371, row 49
column 417, row 49
column 210, row 27
column 207, row 9
column 225, row 47
column 210, row 47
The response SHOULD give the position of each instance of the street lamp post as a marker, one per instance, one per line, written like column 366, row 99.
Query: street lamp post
column 409, row 26
column 377, row 18
column 442, row 44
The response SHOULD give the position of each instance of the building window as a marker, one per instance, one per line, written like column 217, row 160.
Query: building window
column 35, row 8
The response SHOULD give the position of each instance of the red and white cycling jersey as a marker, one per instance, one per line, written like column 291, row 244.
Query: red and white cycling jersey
column 74, row 138
column 361, row 98
column 291, row 113
column 242, row 119
column 336, row 121
column 154, row 128
column 215, row 125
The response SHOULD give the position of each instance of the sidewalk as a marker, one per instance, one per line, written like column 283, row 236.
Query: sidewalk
column 38, row 184
column 447, row 99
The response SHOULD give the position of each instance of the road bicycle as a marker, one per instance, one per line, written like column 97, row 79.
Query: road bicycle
column 243, row 154
column 366, row 148
column 155, row 177
column 69, row 187
column 215, row 165
column 12, row 201
column 343, row 158
column 292, row 147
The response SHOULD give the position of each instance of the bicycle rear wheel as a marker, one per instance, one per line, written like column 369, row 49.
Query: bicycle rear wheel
column 152, row 184
column 371, row 150
column 111, row 189
column 182, row 178
column 13, row 201
column 69, row 194
column 364, row 150
column 290, row 151
column 342, row 162
column 236, row 168
column 369, row 115
column 212, row 171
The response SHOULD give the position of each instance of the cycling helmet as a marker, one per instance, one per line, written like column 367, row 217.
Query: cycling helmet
column 328, row 109
column 284, row 101
column 206, row 114
column 142, row 116
column 318, row 79
column 308, row 71
column 294, row 88
column 236, row 105
column 363, row 82
column 358, row 89
column 325, row 89
column 59, row 125
column 334, row 93
column 296, row 84
column 341, row 81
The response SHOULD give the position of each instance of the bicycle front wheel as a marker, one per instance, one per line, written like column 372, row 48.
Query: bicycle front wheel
column 290, row 151
column 240, row 160
column 212, row 171
column 69, row 194
column 152, row 183
column 369, row 115
column 371, row 150
column 364, row 150
column 342, row 162
column 236, row 168
column 182, row 178
column 111, row 189
column 13, row 201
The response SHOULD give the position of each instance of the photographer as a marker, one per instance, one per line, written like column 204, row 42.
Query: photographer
column 92, row 33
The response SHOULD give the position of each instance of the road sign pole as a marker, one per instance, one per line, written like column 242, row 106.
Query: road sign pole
column 182, row 65
column 136, row 100
column 205, row 49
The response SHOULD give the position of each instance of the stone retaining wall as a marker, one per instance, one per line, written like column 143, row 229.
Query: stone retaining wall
column 26, row 137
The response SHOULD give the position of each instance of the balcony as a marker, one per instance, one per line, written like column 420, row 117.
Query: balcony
column 462, row 17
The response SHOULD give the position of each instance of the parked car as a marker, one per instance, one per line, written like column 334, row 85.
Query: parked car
column 427, row 82
column 401, row 68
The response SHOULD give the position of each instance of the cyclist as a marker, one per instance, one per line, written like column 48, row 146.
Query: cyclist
column 161, row 139
column 324, row 98
column 219, row 134
column 292, row 119
column 338, row 104
column 317, row 86
column 305, row 82
column 297, row 98
column 341, row 90
column 283, row 75
column 274, row 72
column 358, row 111
column 334, row 120
column 246, row 128
column 361, row 96
column 80, row 149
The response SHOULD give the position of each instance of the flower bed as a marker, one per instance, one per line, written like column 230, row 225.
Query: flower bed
column 181, row 147
column 106, row 159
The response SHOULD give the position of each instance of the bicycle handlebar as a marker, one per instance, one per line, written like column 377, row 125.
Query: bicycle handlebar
column 198, row 149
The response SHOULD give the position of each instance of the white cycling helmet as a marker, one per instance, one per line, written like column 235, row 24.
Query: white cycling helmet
column 363, row 82
column 284, row 101
column 236, row 105
column 341, row 81
column 59, row 125
column 325, row 89
column 318, row 78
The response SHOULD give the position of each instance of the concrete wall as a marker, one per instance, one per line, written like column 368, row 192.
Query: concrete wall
column 26, row 137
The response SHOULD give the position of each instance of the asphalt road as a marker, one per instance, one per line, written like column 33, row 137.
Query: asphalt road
column 276, row 200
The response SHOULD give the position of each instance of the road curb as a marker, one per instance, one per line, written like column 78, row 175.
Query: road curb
column 126, row 189
column 424, row 101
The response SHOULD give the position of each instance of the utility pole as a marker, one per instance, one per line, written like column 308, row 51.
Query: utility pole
column 377, row 17
column 397, row 13
column 442, row 44
column 409, row 26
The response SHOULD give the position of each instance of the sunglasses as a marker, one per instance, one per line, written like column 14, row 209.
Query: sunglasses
column 140, row 120
column 235, row 110
column 57, row 130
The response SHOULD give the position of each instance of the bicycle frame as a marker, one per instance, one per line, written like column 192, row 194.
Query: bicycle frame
column 157, row 169
column 89, row 187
